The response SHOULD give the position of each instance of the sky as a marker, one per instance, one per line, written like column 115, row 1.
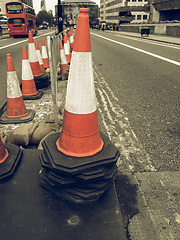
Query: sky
column 50, row 5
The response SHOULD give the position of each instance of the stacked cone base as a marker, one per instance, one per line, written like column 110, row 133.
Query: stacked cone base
column 8, row 167
column 42, row 81
column 33, row 97
column 79, row 180
column 8, row 120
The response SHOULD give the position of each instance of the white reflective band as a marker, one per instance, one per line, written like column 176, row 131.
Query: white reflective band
column 32, row 53
column 13, row 88
column 39, row 57
column 80, row 96
column 26, row 70
column 44, row 52
column 63, row 57
column 71, row 39
column 66, row 49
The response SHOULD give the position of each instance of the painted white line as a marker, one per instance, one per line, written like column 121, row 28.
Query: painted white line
column 139, row 50
column 148, row 41
column 118, row 128
column 16, row 43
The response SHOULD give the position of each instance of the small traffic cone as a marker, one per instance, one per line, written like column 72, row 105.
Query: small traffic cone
column 63, row 60
column 33, row 58
column 29, row 90
column 3, row 152
column 44, row 55
column 66, row 49
column 10, row 156
column 16, row 110
column 71, row 38
column 80, row 135
column 39, row 56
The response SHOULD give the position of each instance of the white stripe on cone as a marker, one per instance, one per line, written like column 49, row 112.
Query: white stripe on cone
column 80, row 96
column 32, row 53
column 63, row 57
column 44, row 52
column 26, row 70
column 39, row 57
column 13, row 88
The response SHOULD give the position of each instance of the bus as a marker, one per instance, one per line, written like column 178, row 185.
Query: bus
column 20, row 18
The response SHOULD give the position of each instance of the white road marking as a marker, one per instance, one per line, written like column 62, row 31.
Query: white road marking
column 16, row 43
column 139, row 50
column 118, row 129
column 148, row 41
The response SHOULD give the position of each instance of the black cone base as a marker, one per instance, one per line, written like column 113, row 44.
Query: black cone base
column 8, row 167
column 33, row 97
column 42, row 81
column 27, row 118
column 80, row 180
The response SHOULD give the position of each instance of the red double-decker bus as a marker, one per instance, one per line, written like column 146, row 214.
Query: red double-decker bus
column 20, row 18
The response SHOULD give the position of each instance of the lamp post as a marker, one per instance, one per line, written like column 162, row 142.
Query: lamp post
column 60, row 19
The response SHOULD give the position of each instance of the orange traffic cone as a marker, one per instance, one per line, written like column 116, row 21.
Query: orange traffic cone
column 29, row 90
column 44, row 55
column 63, row 60
column 66, row 49
column 80, row 135
column 3, row 152
column 39, row 56
column 71, row 38
column 33, row 58
column 10, row 156
column 16, row 110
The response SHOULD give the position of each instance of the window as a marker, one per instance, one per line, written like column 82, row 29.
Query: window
column 134, row 17
column 30, row 23
column 16, row 20
column 144, row 17
column 138, row 17
column 139, row 0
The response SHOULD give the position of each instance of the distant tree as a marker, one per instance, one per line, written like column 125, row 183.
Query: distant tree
column 44, row 16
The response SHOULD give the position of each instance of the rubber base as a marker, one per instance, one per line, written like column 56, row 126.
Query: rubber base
column 8, row 167
column 27, row 118
column 33, row 97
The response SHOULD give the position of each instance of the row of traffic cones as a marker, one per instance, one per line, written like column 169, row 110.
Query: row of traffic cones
column 32, row 68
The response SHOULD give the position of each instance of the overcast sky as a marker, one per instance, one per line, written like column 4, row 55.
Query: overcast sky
column 50, row 4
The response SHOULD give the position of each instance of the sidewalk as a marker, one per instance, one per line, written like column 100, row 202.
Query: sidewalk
column 154, row 37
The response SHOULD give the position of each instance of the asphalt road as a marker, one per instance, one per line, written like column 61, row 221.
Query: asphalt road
column 137, row 89
column 143, row 78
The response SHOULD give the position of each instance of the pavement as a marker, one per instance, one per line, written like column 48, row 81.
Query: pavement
column 149, row 201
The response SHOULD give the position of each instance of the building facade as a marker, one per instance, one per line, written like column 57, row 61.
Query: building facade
column 43, row 5
column 117, row 11
column 164, row 10
column 70, row 9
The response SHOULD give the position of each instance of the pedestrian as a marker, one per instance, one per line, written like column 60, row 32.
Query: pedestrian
column 0, row 30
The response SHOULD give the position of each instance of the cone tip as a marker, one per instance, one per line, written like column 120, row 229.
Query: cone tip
column 83, row 10
column 10, row 65
column 24, row 56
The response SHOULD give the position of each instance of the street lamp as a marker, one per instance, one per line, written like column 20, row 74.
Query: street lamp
column 60, row 19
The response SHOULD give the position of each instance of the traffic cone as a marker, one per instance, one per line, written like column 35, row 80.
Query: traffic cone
column 71, row 38
column 29, row 90
column 10, row 156
column 39, row 56
column 33, row 58
column 16, row 110
column 80, row 135
column 66, row 49
column 63, row 60
column 44, row 55
column 3, row 152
